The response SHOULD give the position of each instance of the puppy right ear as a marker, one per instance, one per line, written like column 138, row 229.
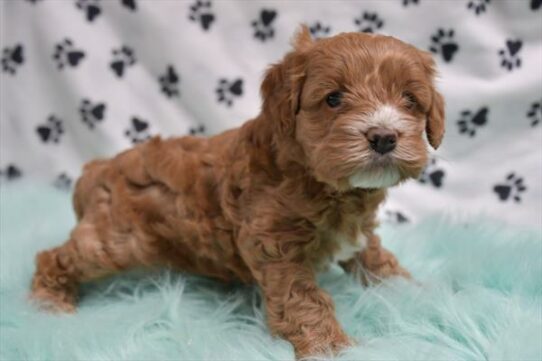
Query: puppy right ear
column 283, row 83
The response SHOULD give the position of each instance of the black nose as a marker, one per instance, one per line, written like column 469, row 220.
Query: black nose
column 382, row 140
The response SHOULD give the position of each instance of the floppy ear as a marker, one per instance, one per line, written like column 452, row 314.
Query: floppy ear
column 435, row 120
column 435, row 116
column 283, row 82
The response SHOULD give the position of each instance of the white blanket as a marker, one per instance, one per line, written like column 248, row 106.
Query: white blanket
column 86, row 78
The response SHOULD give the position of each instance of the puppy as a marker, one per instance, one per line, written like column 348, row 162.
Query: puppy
column 274, row 201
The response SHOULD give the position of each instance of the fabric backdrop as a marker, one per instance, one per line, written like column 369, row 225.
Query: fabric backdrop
column 88, row 78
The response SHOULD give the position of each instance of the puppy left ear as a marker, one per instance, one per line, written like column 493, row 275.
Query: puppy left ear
column 435, row 116
column 302, row 40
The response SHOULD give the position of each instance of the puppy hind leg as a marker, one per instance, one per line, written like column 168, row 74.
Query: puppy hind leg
column 84, row 257
column 55, row 282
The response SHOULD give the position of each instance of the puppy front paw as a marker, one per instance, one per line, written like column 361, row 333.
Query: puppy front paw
column 379, row 264
column 316, row 347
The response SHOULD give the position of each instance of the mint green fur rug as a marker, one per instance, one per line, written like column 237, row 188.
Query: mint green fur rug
column 479, row 298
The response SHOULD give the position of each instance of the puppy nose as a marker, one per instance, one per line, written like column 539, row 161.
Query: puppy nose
column 382, row 140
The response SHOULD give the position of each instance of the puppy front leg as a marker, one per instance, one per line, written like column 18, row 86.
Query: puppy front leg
column 376, row 262
column 299, row 311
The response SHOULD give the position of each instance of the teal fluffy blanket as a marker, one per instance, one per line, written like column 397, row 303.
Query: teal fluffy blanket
column 479, row 297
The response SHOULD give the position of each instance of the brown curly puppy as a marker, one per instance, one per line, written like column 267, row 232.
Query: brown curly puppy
column 274, row 201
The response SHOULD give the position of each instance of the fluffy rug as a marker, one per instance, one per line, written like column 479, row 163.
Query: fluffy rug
column 479, row 298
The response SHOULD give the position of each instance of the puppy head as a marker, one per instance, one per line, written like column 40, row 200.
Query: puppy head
column 358, row 105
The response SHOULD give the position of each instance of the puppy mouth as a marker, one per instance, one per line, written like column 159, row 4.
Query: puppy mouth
column 380, row 172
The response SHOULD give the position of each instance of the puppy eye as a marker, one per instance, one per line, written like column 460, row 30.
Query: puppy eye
column 411, row 101
column 334, row 99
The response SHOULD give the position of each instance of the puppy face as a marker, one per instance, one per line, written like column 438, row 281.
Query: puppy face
column 360, row 106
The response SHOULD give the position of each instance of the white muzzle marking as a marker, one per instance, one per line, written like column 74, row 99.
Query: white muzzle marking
column 386, row 116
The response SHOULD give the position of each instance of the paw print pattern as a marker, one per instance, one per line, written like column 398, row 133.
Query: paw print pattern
column 470, row 121
column 478, row 6
column 319, row 31
column 12, row 58
column 123, row 57
column 368, row 22
column 535, row 113
column 395, row 217
column 511, row 188
column 91, row 8
column 200, row 129
column 227, row 91
column 169, row 82
column 200, row 12
column 432, row 174
column 536, row 4
column 130, row 4
column 443, row 43
column 51, row 131
column 408, row 2
column 263, row 27
column 138, row 131
column 66, row 54
column 510, row 55
column 63, row 182
column 92, row 113
column 11, row 172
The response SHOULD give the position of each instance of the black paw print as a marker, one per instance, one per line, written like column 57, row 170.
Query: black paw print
column 63, row 182
column 200, row 12
column 396, row 217
column 123, row 57
column 263, row 28
column 511, row 188
column 510, row 56
column 11, row 172
column 535, row 113
column 12, row 58
column 408, row 2
column 478, row 6
column 92, row 113
column 200, row 129
column 66, row 54
column 51, row 130
column 130, row 4
column 368, row 22
column 138, row 131
column 469, row 122
column 169, row 82
column 443, row 42
column 91, row 8
column 536, row 4
column 319, row 31
column 227, row 91
column 432, row 174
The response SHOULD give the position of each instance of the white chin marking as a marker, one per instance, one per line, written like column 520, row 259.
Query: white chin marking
column 376, row 178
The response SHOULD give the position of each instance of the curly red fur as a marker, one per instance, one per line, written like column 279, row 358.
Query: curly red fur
column 270, row 202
